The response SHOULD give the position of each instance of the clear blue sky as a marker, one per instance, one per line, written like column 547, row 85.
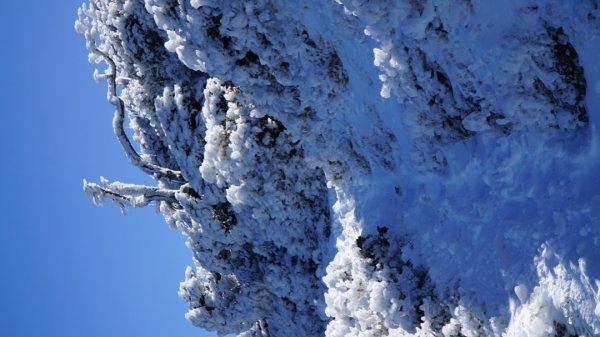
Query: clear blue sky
column 68, row 268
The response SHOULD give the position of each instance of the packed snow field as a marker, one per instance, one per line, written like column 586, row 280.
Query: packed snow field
column 366, row 168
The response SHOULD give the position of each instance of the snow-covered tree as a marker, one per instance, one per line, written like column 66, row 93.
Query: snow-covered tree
column 366, row 168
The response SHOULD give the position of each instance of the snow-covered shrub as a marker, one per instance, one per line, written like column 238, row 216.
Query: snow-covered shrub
column 366, row 168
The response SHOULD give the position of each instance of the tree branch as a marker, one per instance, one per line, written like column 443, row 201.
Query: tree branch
column 127, row 194
column 119, row 119
column 110, row 76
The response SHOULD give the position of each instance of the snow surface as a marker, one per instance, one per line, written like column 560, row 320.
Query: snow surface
column 368, row 168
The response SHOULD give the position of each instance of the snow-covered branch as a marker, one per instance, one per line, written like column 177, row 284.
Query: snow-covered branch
column 123, row 194
column 110, row 75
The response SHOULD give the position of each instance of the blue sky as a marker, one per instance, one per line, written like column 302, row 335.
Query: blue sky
column 70, row 268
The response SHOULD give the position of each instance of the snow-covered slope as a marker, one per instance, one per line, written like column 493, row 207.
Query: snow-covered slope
column 366, row 168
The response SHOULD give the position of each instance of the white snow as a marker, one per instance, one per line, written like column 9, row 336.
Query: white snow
column 370, row 168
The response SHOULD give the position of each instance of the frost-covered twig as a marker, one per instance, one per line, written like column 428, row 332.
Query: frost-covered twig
column 110, row 75
column 118, row 121
column 123, row 194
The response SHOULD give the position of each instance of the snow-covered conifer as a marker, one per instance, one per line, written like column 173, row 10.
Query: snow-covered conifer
column 365, row 168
